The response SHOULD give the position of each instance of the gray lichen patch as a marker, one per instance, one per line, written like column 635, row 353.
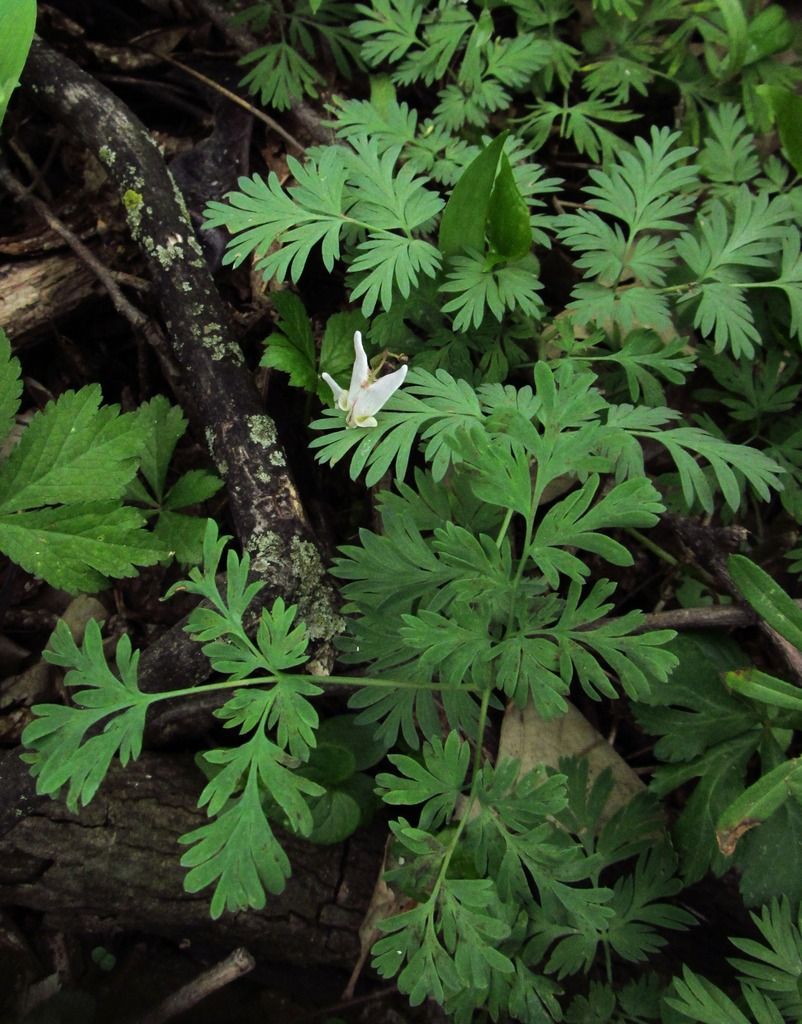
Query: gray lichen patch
column 215, row 344
column 262, row 431
column 170, row 253
column 315, row 592
column 267, row 552
column 107, row 155
column 221, row 464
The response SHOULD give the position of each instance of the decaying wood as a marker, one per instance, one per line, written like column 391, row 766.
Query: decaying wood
column 36, row 291
column 115, row 868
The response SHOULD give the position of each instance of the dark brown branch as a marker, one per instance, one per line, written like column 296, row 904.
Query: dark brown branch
column 267, row 512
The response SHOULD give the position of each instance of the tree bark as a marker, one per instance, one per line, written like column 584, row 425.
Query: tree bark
column 114, row 867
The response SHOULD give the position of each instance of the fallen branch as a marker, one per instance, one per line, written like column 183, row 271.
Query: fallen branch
column 268, row 516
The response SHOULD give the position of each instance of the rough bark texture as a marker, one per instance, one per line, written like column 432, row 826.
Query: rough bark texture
column 115, row 868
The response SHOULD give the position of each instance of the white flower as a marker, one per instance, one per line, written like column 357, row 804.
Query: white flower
column 366, row 395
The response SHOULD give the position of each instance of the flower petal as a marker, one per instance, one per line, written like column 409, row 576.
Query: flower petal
column 373, row 397
column 338, row 392
column 360, row 373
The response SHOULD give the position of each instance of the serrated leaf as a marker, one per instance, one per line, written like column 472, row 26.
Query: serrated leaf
column 180, row 536
column 10, row 386
column 73, row 451
column 79, row 547
column 291, row 348
column 192, row 488
column 163, row 426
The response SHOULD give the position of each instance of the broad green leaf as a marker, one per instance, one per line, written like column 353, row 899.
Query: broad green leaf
column 344, row 731
column 17, row 24
column 464, row 218
column 192, row 488
column 343, row 809
column 765, row 876
column 508, row 226
column 767, row 598
column 165, row 424
column 79, row 547
column 180, row 536
column 291, row 347
column 786, row 108
column 10, row 386
column 758, row 802
column 75, row 450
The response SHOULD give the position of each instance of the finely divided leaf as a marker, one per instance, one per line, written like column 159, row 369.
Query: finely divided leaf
column 59, row 751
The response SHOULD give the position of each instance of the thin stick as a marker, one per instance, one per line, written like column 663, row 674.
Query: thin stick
column 233, row 98
column 134, row 316
column 234, row 966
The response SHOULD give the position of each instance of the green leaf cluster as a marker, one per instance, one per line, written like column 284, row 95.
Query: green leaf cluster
column 236, row 851
column 62, row 483
column 282, row 73
column 344, row 196
column 716, row 718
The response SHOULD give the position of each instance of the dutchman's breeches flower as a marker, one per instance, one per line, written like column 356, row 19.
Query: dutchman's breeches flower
column 366, row 395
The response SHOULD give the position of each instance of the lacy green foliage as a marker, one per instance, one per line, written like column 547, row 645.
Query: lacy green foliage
column 565, row 424
column 62, row 485
column 646, row 264
column 483, row 582
column 236, row 851
column 350, row 194
column 504, row 890
column 770, row 980
column 283, row 72
column 742, row 243
column 515, row 880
